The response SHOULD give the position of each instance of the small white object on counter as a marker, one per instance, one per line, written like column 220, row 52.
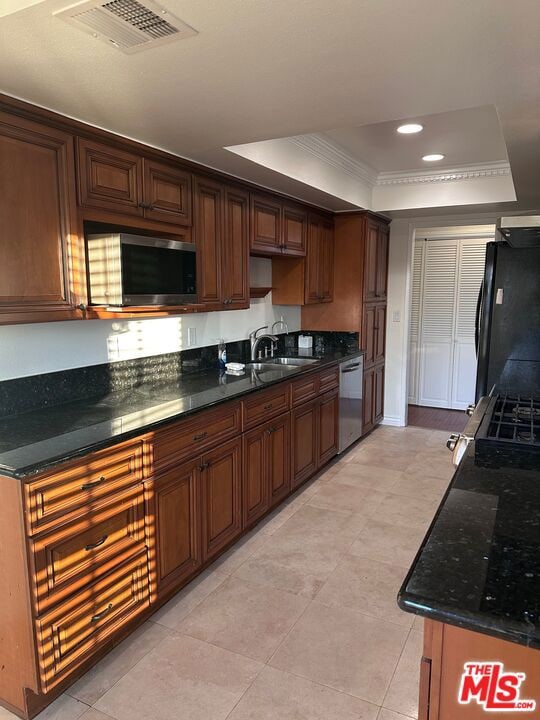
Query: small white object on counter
column 237, row 367
column 305, row 341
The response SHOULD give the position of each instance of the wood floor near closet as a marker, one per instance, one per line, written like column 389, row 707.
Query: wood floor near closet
column 437, row 418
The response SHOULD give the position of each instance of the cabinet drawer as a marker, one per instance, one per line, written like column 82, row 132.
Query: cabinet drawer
column 191, row 436
column 68, row 559
column 328, row 379
column 304, row 389
column 73, row 489
column 75, row 630
column 265, row 405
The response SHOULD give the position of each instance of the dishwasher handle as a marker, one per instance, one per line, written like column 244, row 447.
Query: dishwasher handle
column 351, row 368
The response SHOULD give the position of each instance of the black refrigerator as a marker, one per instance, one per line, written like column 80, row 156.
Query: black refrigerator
column 508, row 317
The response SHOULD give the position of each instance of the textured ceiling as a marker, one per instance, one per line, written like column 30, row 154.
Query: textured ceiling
column 264, row 69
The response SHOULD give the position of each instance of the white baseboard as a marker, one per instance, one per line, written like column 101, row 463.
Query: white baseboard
column 395, row 421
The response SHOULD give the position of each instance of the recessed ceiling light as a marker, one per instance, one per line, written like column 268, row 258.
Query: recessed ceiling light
column 433, row 158
column 410, row 128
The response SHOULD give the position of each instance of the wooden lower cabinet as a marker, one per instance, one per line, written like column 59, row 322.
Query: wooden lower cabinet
column 90, row 548
column 447, row 649
column 175, row 506
column 304, row 442
column 373, row 400
column 221, row 497
column 328, row 431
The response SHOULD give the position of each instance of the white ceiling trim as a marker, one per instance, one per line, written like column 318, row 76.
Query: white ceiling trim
column 469, row 172
column 330, row 152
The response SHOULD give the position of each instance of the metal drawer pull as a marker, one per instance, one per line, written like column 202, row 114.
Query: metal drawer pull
column 268, row 406
column 102, row 614
column 204, row 466
column 95, row 483
column 271, row 430
column 200, row 436
column 93, row 546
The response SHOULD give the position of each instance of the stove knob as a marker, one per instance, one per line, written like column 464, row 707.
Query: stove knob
column 470, row 410
column 452, row 441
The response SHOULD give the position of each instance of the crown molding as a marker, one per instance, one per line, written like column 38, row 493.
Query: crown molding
column 465, row 172
column 331, row 153
column 322, row 148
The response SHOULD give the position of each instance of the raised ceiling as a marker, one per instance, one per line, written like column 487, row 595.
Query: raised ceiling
column 259, row 70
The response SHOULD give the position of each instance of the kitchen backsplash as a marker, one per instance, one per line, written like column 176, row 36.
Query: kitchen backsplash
column 55, row 388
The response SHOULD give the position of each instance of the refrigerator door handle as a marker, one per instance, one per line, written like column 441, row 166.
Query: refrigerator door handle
column 479, row 308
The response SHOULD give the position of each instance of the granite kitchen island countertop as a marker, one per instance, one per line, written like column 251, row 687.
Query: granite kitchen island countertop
column 479, row 564
column 35, row 441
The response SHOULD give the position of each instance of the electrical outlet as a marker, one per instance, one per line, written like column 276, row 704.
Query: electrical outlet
column 191, row 337
column 396, row 316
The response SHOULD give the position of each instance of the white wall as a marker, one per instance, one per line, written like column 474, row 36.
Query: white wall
column 46, row 347
column 402, row 234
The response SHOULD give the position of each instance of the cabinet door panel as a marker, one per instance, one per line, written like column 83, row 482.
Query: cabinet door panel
column 177, row 517
column 369, row 322
column 266, row 231
column 370, row 261
column 235, row 250
column 328, row 427
column 255, row 480
column 382, row 263
column 312, row 289
column 167, row 192
column 36, row 216
column 222, row 494
column 326, row 263
column 304, row 442
column 379, row 333
column 208, row 238
column 279, row 458
column 294, row 231
column 109, row 178
column 367, row 406
column 378, row 394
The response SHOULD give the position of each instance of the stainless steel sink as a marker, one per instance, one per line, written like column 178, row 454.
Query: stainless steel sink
column 267, row 366
column 298, row 362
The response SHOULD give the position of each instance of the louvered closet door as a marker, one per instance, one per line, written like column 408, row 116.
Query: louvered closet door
column 437, row 323
column 472, row 255
column 416, row 306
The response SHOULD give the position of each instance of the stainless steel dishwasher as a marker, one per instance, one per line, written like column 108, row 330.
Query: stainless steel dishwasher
column 350, row 401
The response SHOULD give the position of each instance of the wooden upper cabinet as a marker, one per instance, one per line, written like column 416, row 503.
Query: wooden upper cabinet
column 326, row 267
column 109, row 178
column 235, row 250
column 120, row 181
column 208, row 217
column 167, row 193
column 370, row 261
column 294, row 230
column 37, row 212
column 319, row 272
column 266, row 231
column 375, row 261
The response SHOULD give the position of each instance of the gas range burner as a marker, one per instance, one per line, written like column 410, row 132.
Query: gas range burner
column 510, row 430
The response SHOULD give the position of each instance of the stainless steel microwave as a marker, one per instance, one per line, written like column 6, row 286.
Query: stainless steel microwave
column 129, row 269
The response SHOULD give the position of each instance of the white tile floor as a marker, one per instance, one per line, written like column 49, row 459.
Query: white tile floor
column 299, row 619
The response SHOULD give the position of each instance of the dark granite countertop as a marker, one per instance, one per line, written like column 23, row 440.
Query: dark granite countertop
column 479, row 564
column 32, row 442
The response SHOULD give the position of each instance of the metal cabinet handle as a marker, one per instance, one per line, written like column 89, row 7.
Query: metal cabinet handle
column 99, row 616
column 204, row 466
column 200, row 436
column 93, row 546
column 268, row 406
column 95, row 483
column 350, row 368
column 271, row 430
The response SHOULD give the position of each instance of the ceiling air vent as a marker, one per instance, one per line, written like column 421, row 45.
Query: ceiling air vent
column 129, row 25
